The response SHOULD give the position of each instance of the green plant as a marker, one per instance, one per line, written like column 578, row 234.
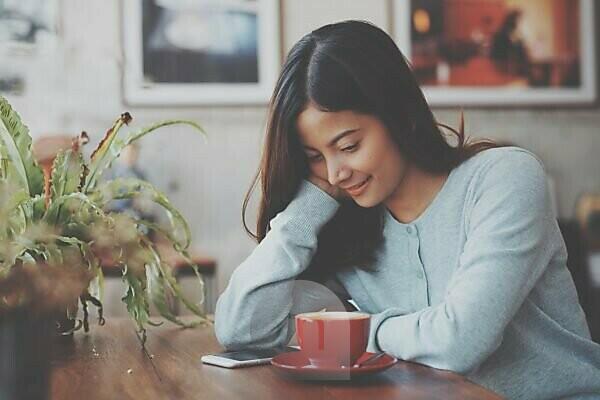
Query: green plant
column 57, row 238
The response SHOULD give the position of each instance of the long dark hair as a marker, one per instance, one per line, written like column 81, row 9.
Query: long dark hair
column 351, row 65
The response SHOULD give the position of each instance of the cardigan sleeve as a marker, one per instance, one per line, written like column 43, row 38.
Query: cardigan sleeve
column 262, row 294
column 512, row 235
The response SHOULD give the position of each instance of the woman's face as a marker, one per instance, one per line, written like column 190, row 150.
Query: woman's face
column 352, row 151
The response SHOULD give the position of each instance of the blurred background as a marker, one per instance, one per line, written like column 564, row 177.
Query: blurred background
column 72, row 65
column 496, row 43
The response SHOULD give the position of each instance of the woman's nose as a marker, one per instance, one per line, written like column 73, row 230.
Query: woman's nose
column 337, row 173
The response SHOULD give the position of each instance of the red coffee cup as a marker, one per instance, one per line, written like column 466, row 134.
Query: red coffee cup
column 333, row 339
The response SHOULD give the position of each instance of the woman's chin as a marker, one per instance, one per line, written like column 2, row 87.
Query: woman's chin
column 365, row 202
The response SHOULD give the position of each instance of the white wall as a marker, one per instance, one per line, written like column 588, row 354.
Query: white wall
column 80, row 89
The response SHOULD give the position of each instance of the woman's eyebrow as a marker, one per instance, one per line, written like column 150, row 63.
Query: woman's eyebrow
column 337, row 138
column 341, row 135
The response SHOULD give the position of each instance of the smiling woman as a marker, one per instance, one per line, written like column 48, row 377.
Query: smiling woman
column 351, row 77
column 454, row 250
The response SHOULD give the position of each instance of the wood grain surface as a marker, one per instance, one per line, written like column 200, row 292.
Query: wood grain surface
column 108, row 363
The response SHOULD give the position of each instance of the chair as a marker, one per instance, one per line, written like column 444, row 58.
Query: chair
column 182, row 270
column 577, row 263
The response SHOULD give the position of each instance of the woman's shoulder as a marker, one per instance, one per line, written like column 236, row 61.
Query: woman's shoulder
column 502, row 171
column 509, row 161
column 505, row 154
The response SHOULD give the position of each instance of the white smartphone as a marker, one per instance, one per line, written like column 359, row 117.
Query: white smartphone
column 245, row 358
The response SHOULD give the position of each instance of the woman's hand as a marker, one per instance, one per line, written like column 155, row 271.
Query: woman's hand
column 328, row 188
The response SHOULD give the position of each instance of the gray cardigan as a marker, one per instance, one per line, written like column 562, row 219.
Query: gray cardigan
column 477, row 284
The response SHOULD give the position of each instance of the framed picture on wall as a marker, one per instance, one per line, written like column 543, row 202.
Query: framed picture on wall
column 500, row 52
column 29, row 31
column 193, row 52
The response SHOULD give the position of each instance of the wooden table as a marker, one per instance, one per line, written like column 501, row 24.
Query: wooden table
column 108, row 363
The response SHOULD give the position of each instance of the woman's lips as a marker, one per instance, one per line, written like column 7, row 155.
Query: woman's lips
column 358, row 189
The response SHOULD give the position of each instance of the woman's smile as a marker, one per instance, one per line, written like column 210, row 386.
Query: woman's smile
column 358, row 189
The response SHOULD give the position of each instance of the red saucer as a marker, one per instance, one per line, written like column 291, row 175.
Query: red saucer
column 296, row 365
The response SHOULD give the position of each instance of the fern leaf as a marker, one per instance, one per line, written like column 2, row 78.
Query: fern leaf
column 101, row 157
column 116, row 146
column 67, row 170
column 127, row 188
column 15, row 146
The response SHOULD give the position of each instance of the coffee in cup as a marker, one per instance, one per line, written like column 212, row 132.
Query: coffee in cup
column 333, row 339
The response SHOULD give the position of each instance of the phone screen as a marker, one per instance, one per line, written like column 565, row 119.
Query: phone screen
column 247, row 355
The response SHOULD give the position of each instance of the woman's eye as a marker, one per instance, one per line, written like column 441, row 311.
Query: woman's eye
column 314, row 158
column 350, row 148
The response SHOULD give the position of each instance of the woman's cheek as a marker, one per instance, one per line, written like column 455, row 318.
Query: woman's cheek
column 319, row 170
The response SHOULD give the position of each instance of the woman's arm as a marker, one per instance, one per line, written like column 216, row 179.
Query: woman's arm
column 512, row 235
column 263, row 293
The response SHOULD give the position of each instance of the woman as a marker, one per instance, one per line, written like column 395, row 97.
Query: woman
column 453, row 249
column 508, row 49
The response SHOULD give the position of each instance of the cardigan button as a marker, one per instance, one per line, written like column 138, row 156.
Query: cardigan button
column 420, row 275
column 409, row 230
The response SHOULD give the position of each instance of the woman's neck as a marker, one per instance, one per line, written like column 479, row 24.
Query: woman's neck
column 415, row 193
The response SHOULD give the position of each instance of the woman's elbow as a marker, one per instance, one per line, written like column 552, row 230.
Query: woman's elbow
column 464, row 356
column 462, row 365
column 235, row 335
column 226, row 333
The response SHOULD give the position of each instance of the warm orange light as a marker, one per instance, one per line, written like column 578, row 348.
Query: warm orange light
column 421, row 21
